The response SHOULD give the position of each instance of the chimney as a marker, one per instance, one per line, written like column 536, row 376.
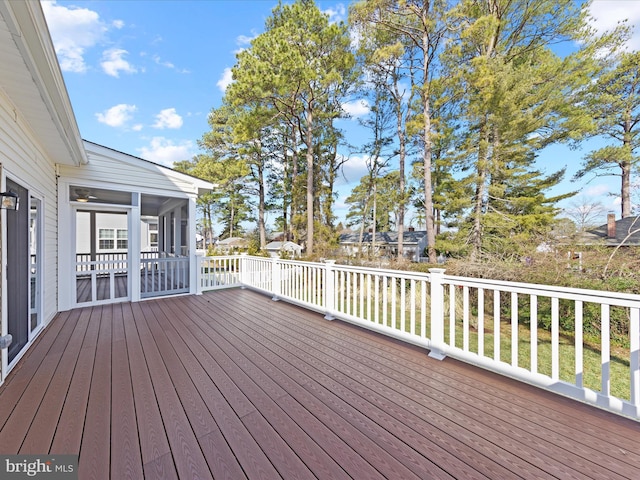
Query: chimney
column 411, row 229
column 611, row 225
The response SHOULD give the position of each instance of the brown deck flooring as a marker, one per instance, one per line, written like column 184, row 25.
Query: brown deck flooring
column 232, row 385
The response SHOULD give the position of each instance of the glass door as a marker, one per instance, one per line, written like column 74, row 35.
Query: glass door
column 35, row 268
column 18, row 263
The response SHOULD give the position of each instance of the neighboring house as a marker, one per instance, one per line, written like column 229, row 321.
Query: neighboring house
column 275, row 249
column 625, row 231
column 386, row 244
column 75, row 195
column 232, row 244
column 112, row 233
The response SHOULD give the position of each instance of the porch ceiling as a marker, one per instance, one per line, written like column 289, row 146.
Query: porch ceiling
column 151, row 205
column 231, row 384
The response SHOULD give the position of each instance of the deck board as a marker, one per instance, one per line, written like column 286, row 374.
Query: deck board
column 95, row 448
column 68, row 434
column 232, row 385
column 153, row 439
column 126, row 459
column 446, row 418
column 188, row 458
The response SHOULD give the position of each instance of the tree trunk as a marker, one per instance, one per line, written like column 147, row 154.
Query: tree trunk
column 476, row 232
column 625, row 165
column 402, row 155
column 428, row 190
column 294, row 184
column 261, row 207
column 310, row 183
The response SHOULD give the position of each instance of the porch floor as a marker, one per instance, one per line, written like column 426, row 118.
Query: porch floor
column 230, row 384
column 156, row 285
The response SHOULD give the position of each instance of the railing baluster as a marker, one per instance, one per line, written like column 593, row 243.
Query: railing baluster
column 452, row 315
column 412, row 307
column 555, row 338
column 403, row 309
column 394, row 301
column 533, row 327
column 465, row 318
column 350, row 287
column 369, row 299
column 634, row 363
column 496, row 325
column 384, row 299
column 579, row 354
column 361, row 291
column 514, row 329
column 376, row 282
column 481, row 322
column 605, row 348
column 423, row 309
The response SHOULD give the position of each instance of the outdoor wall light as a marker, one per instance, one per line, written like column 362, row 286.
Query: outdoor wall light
column 9, row 200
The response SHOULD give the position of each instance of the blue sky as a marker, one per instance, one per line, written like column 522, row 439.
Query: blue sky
column 143, row 75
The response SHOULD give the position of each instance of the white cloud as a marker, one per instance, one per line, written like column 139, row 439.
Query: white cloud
column 336, row 14
column 353, row 170
column 357, row 108
column 113, row 62
column 164, row 63
column 168, row 118
column 608, row 13
column 244, row 39
column 73, row 31
column 164, row 151
column 119, row 24
column 597, row 190
column 117, row 116
column 225, row 80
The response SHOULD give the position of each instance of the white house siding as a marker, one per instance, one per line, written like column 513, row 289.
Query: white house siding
column 111, row 221
column 24, row 161
column 133, row 174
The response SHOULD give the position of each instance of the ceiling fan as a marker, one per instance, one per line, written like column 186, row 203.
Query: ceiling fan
column 83, row 195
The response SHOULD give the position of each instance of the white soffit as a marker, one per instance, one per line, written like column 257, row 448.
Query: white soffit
column 31, row 77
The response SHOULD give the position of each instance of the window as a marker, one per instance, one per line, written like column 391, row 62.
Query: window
column 106, row 238
column 122, row 239
column 153, row 235
column 113, row 239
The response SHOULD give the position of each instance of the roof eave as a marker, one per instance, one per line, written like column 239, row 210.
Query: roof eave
column 29, row 30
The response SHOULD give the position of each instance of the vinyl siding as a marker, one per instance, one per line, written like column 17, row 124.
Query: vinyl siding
column 132, row 174
column 24, row 161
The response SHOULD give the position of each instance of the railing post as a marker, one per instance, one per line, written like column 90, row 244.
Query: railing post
column 242, row 264
column 199, row 276
column 328, row 289
column 437, row 313
column 275, row 279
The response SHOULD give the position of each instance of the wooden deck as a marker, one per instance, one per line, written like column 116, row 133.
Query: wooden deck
column 232, row 385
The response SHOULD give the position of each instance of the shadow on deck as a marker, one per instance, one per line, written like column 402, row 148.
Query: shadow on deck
column 230, row 384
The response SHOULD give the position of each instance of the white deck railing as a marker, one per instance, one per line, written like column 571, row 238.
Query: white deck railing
column 484, row 322
column 160, row 275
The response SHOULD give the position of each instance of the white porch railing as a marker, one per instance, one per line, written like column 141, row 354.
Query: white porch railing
column 161, row 275
column 483, row 322
column 101, row 281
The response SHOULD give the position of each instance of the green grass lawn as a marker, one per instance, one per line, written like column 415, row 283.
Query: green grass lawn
column 619, row 365
column 591, row 375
